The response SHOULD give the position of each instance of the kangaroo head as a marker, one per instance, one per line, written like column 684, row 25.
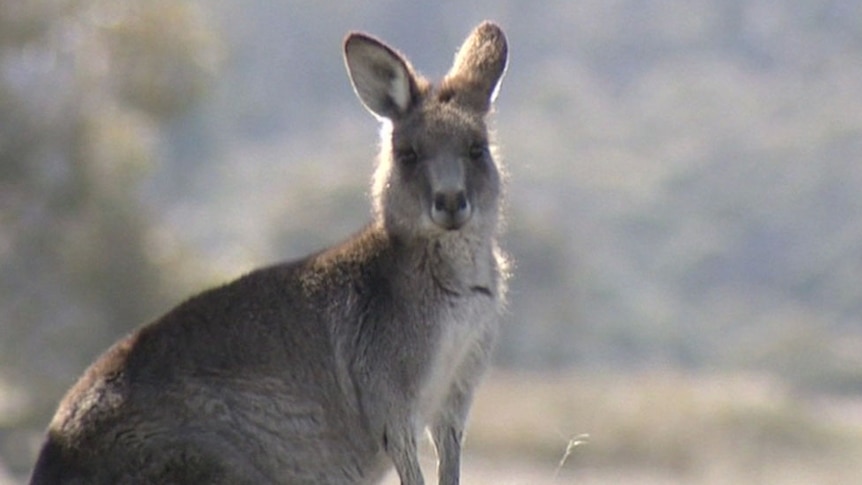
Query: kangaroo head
column 436, row 172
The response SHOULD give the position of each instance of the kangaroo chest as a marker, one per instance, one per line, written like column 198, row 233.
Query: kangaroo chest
column 463, row 334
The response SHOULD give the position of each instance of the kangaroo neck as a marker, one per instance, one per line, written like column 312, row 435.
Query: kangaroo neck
column 454, row 263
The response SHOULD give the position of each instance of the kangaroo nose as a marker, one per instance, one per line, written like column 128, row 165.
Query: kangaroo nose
column 451, row 209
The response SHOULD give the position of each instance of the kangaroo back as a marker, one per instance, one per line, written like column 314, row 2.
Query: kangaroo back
column 324, row 370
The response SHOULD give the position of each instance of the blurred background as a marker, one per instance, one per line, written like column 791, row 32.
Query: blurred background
column 684, row 211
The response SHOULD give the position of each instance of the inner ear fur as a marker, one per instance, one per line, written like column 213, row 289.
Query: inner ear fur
column 382, row 78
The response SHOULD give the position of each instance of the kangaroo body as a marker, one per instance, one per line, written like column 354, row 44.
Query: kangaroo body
column 327, row 369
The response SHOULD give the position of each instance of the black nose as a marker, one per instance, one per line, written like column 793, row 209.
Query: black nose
column 451, row 209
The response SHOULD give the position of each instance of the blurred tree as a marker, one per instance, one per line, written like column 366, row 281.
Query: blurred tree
column 84, row 89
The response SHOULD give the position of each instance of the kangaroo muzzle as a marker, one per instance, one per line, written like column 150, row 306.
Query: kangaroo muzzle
column 451, row 209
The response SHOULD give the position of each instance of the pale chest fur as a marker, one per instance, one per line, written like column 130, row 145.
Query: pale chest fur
column 466, row 329
column 465, row 317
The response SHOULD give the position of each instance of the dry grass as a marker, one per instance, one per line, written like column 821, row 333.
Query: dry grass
column 662, row 427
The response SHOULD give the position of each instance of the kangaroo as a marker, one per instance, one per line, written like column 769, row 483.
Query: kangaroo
column 324, row 370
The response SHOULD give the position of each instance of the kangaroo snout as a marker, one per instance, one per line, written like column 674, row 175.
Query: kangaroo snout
column 451, row 209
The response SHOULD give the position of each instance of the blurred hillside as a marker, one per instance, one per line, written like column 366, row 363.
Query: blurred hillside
column 683, row 176
column 683, row 193
column 85, row 91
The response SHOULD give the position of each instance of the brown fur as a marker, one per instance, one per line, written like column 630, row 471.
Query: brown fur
column 323, row 370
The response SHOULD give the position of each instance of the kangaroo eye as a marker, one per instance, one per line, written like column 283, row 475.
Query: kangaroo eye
column 478, row 151
column 406, row 156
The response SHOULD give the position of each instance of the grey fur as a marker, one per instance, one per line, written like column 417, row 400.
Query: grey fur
column 327, row 369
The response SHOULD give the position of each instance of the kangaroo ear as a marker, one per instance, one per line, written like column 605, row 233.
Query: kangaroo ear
column 382, row 79
column 479, row 66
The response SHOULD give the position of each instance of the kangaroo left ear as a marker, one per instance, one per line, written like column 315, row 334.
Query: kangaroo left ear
column 382, row 79
column 479, row 67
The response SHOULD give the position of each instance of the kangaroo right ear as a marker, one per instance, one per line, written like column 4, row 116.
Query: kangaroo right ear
column 382, row 79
